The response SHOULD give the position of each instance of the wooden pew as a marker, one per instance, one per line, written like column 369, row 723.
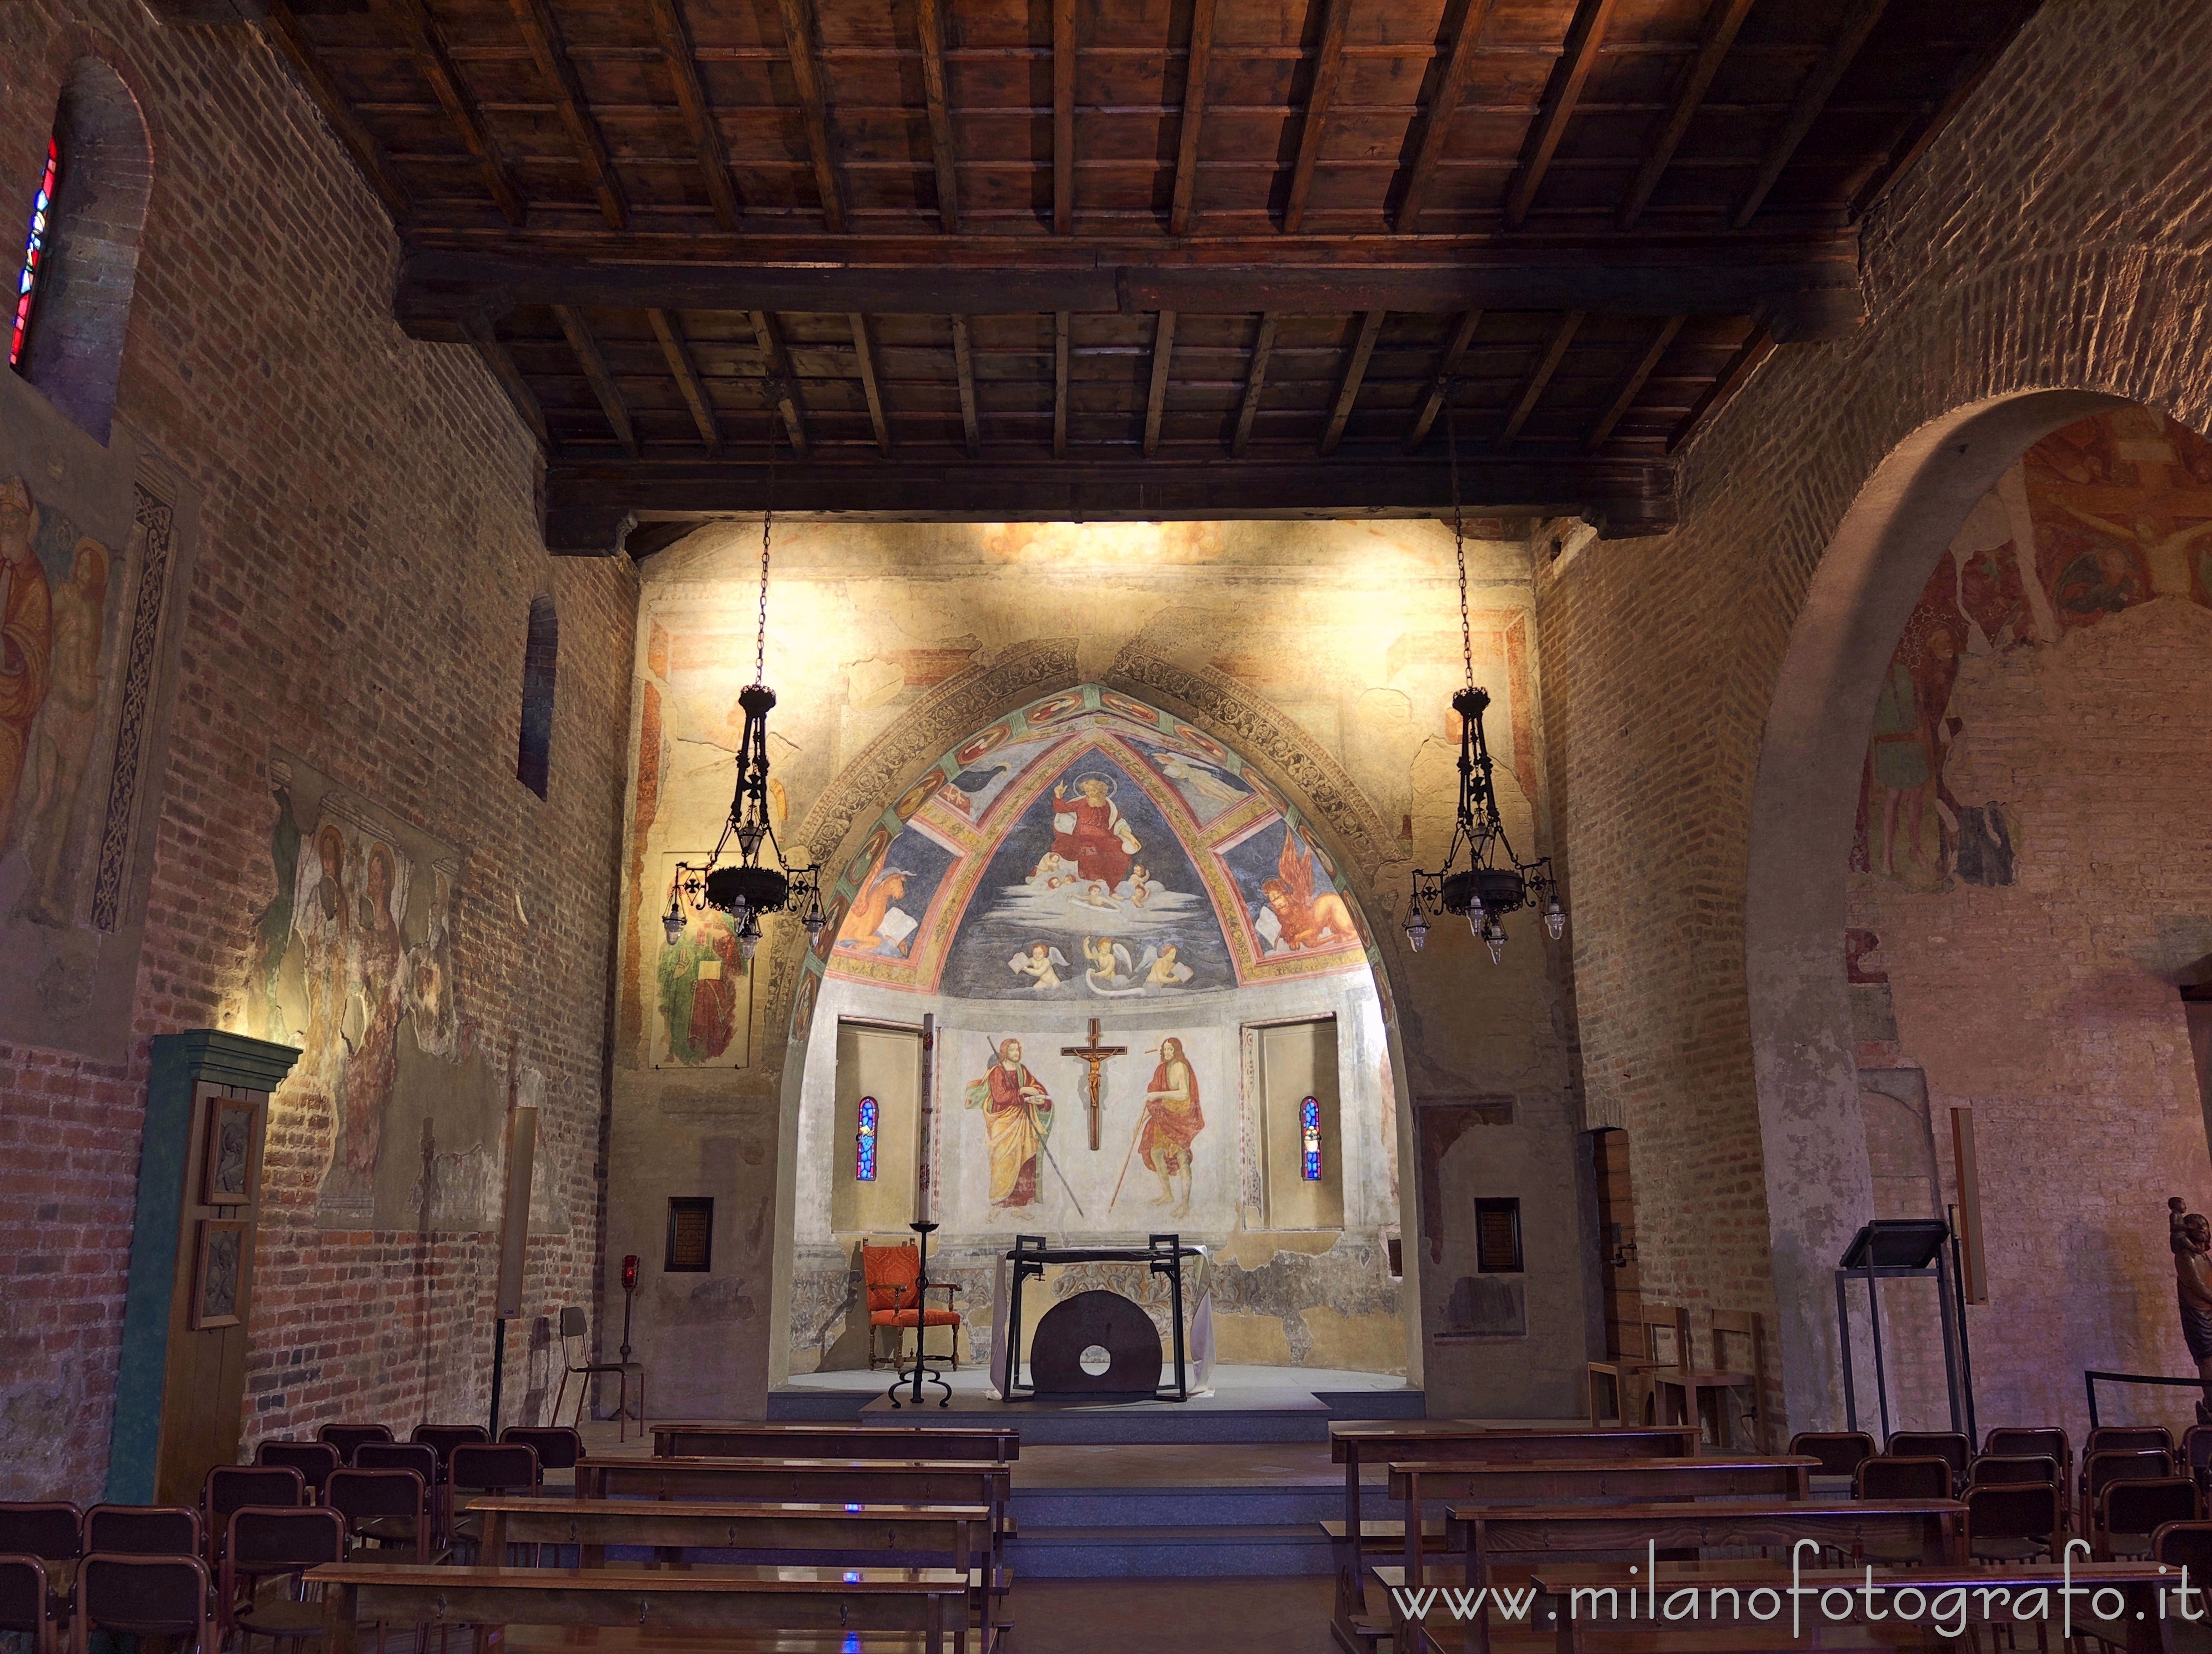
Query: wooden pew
column 889, row 1534
column 833, row 1441
column 1355, row 1442
column 2137, row 1581
column 1486, row 1535
column 744, row 1608
column 1624, row 1481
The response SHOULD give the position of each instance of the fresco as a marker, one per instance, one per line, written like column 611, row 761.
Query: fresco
column 703, row 1008
column 2111, row 512
column 1087, row 848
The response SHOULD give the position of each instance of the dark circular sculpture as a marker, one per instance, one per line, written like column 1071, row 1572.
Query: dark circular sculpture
column 1107, row 1319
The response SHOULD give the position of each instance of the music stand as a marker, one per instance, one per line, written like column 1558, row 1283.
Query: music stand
column 1901, row 1249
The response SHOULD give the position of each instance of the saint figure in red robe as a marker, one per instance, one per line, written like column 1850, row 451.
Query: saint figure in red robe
column 1090, row 832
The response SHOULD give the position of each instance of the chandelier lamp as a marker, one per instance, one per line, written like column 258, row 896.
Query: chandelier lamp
column 1482, row 876
column 749, row 887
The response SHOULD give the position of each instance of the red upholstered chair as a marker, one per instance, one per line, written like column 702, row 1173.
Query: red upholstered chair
column 889, row 1272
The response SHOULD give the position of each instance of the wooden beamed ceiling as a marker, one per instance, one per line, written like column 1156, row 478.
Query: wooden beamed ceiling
column 1127, row 257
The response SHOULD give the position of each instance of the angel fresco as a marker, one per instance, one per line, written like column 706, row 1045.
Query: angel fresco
column 1042, row 964
column 1115, row 971
column 1303, row 917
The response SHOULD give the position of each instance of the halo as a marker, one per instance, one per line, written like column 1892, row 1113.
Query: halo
column 1107, row 780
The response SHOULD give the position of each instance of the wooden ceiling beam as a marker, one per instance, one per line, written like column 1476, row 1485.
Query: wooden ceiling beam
column 1255, row 381
column 964, row 368
column 675, row 37
column 1436, row 121
column 1918, row 134
column 1059, row 384
column 929, row 25
column 1753, row 351
column 670, row 332
column 806, row 78
column 1156, row 399
column 594, row 364
column 1632, row 383
column 1815, row 295
column 497, row 358
column 1723, row 18
column 591, row 504
column 282, row 27
column 1813, row 94
column 1532, row 388
column 1585, row 38
column 412, row 19
column 1198, row 64
column 1328, row 69
column 864, row 347
column 1432, row 403
column 543, row 36
column 1348, row 385
column 1063, row 116
column 782, row 385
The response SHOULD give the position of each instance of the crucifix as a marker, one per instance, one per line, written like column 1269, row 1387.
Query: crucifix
column 1093, row 1054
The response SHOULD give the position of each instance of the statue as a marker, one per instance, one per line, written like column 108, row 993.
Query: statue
column 2189, row 1235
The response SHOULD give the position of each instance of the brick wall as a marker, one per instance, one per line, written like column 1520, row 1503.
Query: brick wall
column 2045, row 240
column 367, row 552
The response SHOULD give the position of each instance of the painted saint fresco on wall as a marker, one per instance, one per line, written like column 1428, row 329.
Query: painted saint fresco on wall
column 1018, row 1117
column 1172, row 1120
column 2110, row 513
column 1209, row 789
column 704, row 1002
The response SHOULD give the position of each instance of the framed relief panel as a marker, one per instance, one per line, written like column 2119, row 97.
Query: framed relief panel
column 218, row 1263
column 226, row 1159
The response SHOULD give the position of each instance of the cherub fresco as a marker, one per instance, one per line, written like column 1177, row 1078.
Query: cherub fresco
column 1114, row 970
column 1042, row 964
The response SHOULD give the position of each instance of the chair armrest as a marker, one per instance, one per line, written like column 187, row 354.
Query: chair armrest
column 947, row 1288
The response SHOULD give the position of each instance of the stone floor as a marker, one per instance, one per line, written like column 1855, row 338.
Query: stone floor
column 1172, row 1616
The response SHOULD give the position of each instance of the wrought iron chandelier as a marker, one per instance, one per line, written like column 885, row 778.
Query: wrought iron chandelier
column 748, row 888
column 1494, row 880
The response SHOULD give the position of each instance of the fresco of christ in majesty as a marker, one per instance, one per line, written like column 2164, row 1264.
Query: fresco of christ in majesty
column 1089, row 831
column 1017, row 1120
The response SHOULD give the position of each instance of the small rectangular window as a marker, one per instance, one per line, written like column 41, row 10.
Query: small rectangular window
column 690, row 1235
column 864, row 1147
column 1498, row 1237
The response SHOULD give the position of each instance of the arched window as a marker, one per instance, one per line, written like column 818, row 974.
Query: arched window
column 34, row 254
column 534, row 754
column 101, row 172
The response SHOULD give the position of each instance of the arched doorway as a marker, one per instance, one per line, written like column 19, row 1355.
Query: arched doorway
column 1978, row 932
column 1089, row 872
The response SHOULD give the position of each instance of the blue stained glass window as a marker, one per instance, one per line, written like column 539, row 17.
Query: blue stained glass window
column 863, row 1151
column 1309, row 1130
column 34, row 252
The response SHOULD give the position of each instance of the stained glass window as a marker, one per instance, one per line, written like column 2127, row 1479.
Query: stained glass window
column 34, row 252
column 1310, row 1131
column 864, row 1150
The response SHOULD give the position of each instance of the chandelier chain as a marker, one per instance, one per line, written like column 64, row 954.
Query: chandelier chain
column 1459, row 544
column 767, row 519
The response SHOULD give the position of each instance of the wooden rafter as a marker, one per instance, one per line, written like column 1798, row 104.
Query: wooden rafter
column 1059, row 384
column 1063, row 116
column 782, row 385
column 1722, row 19
column 864, row 348
column 428, row 48
column 964, row 366
column 1811, row 98
column 1755, row 350
column 1532, row 388
column 497, row 358
column 1435, row 122
column 1632, row 383
column 369, row 156
column 670, row 332
column 594, row 364
column 1328, row 69
column 1156, row 399
column 1440, row 384
column 1256, row 381
column 1197, row 67
column 1348, row 385
column 1920, row 131
column 543, row 34
column 929, row 25
column 698, row 114
column 1585, row 40
column 806, row 77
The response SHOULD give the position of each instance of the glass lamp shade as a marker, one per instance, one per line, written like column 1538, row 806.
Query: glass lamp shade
column 673, row 922
column 1417, row 932
column 1555, row 920
column 1494, row 938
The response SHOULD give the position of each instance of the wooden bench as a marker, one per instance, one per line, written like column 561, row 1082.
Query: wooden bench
column 1635, row 1482
column 732, row 1604
column 833, row 1441
column 1355, row 1442
column 2137, row 1581
column 1484, row 1535
column 884, row 1535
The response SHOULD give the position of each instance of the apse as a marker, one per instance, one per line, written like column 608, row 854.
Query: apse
column 1088, row 885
